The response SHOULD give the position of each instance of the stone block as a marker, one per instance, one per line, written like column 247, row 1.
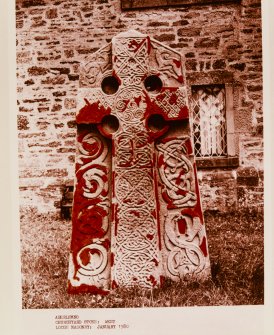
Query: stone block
column 192, row 64
column 56, row 108
column 181, row 23
column 207, row 42
column 70, row 103
column 158, row 24
column 247, row 176
column 165, row 37
column 33, row 3
column 238, row 66
column 189, row 32
column 29, row 82
column 52, row 13
column 37, row 71
column 219, row 64
column 22, row 122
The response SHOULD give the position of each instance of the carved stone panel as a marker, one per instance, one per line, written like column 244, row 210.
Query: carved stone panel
column 137, row 216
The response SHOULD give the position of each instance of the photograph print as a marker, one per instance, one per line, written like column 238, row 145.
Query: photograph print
column 140, row 152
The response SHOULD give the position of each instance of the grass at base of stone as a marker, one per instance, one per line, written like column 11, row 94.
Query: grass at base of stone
column 236, row 255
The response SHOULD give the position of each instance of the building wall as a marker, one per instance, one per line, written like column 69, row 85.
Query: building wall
column 54, row 37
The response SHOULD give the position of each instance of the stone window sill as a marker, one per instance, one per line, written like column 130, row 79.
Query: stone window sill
column 217, row 162
column 135, row 4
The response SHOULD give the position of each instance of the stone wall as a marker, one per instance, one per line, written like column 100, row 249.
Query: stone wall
column 54, row 37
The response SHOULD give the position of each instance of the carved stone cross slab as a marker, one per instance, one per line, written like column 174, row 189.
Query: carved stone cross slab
column 137, row 216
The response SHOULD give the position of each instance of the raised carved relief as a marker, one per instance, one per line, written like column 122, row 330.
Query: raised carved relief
column 96, row 67
column 183, row 237
column 168, row 62
column 176, row 173
column 137, row 216
column 91, row 210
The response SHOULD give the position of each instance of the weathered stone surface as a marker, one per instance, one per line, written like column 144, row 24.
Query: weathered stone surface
column 31, row 3
column 22, row 122
column 191, row 64
column 56, row 108
column 247, row 176
column 181, row 23
column 189, row 32
column 137, row 215
column 219, row 64
column 238, row 66
column 241, row 51
column 207, row 42
column 250, row 198
column 158, row 24
column 52, row 13
column 29, row 82
column 70, row 103
column 37, row 71
column 165, row 37
column 71, row 124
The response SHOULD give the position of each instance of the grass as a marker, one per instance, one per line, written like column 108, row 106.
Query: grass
column 236, row 255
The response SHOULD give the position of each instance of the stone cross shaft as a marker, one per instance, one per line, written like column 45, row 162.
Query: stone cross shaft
column 137, row 217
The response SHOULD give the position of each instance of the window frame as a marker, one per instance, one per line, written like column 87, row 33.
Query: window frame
column 198, row 119
column 231, row 93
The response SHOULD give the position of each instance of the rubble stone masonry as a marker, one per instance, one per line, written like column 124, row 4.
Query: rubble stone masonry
column 218, row 40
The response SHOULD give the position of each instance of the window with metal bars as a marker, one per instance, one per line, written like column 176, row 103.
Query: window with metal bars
column 208, row 105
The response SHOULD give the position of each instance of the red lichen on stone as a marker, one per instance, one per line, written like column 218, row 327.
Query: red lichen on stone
column 167, row 139
column 173, row 99
column 90, row 222
column 180, row 79
column 153, row 135
column 162, row 281
column 155, row 261
column 182, row 225
column 152, row 280
column 188, row 146
column 182, row 192
column 114, row 74
column 116, row 219
column 114, row 285
column 183, row 113
column 203, row 246
column 134, row 43
column 177, row 62
column 103, row 131
column 178, row 179
column 92, row 113
column 138, row 100
column 106, row 244
column 135, row 213
column 84, row 288
column 198, row 206
column 111, row 259
column 167, row 199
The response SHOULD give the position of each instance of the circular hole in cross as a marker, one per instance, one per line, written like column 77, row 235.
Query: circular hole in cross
column 110, row 85
column 156, row 122
column 153, row 84
column 110, row 124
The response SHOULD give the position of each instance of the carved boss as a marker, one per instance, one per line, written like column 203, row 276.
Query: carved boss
column 137, row 215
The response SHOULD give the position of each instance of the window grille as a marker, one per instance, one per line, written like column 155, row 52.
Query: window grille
column 209, row 120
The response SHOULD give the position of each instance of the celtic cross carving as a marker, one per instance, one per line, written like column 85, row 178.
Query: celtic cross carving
column 137, row 216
